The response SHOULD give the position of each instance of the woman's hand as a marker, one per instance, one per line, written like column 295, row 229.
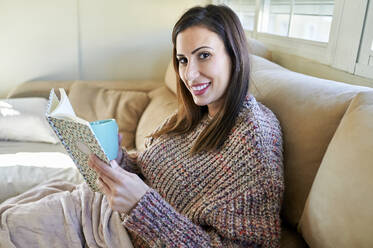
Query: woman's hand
column 120, row 150
column 131, row 156
column 122, row 188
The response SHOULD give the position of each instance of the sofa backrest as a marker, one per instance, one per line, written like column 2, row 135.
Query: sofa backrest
column 39, row 88
column 309, row 110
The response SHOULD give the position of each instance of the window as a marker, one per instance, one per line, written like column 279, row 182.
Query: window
column 245, row 9
column 364, row 65
column 299, row 27
column 304, row 19
column 338, row 33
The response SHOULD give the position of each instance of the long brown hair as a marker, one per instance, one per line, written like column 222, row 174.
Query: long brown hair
column 224, row 22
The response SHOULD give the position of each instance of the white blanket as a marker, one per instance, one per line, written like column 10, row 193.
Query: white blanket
column 24, row 170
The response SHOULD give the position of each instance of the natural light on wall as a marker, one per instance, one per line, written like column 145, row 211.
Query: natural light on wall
column 304, row 19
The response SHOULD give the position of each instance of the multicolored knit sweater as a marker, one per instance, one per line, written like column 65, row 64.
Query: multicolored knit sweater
column 226, row 198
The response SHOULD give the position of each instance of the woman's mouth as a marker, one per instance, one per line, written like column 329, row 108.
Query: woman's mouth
column 200, row 89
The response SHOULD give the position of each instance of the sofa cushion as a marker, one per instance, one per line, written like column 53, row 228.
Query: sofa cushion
column 162, row 104
column 338, row 211
column 309, row 110
column 94, row 103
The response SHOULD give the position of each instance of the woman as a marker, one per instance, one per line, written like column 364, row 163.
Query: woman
column 214, row 169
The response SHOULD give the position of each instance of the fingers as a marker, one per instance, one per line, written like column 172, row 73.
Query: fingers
column 103, row 186
column 103, row 169
column 120, row 138
column 114, row 164
column 120, row 150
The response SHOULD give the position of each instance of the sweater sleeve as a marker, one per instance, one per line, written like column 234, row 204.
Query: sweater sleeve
column 250, row 219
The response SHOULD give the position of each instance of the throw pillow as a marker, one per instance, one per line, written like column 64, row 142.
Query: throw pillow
column 309, row 110
column 23, row 119
column 163, row 104
column 93, row 103
column 338, row 211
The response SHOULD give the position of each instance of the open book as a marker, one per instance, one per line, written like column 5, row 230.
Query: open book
column 76, row 136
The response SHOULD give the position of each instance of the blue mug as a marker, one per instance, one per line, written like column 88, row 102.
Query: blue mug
column 106, row 132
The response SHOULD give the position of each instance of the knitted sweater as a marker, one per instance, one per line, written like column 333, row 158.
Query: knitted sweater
column 225, row 198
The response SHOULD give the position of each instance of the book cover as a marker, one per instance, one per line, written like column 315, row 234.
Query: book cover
column 76, row 136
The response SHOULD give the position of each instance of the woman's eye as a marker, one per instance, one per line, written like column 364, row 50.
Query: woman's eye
column 204, row 55
column 182, row 60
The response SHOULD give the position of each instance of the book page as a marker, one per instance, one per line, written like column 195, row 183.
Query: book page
column 63, row 109
column 53, row 102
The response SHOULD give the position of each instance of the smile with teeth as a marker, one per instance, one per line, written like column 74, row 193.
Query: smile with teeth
column 200, row 87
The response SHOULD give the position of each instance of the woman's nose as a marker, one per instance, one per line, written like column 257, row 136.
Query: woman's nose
column 192, row 72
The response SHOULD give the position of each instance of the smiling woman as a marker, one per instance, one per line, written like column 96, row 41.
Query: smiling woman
column 220, row 58
column 233, row 158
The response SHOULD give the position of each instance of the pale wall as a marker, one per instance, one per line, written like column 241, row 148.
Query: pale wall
column 94, row 39
column 86, row 39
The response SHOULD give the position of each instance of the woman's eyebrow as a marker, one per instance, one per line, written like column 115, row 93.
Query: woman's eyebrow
column 196, row 50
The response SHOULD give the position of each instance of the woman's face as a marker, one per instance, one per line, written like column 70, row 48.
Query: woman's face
column 204, row 66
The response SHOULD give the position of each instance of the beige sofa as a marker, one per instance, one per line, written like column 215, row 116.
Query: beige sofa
column 328, row 142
